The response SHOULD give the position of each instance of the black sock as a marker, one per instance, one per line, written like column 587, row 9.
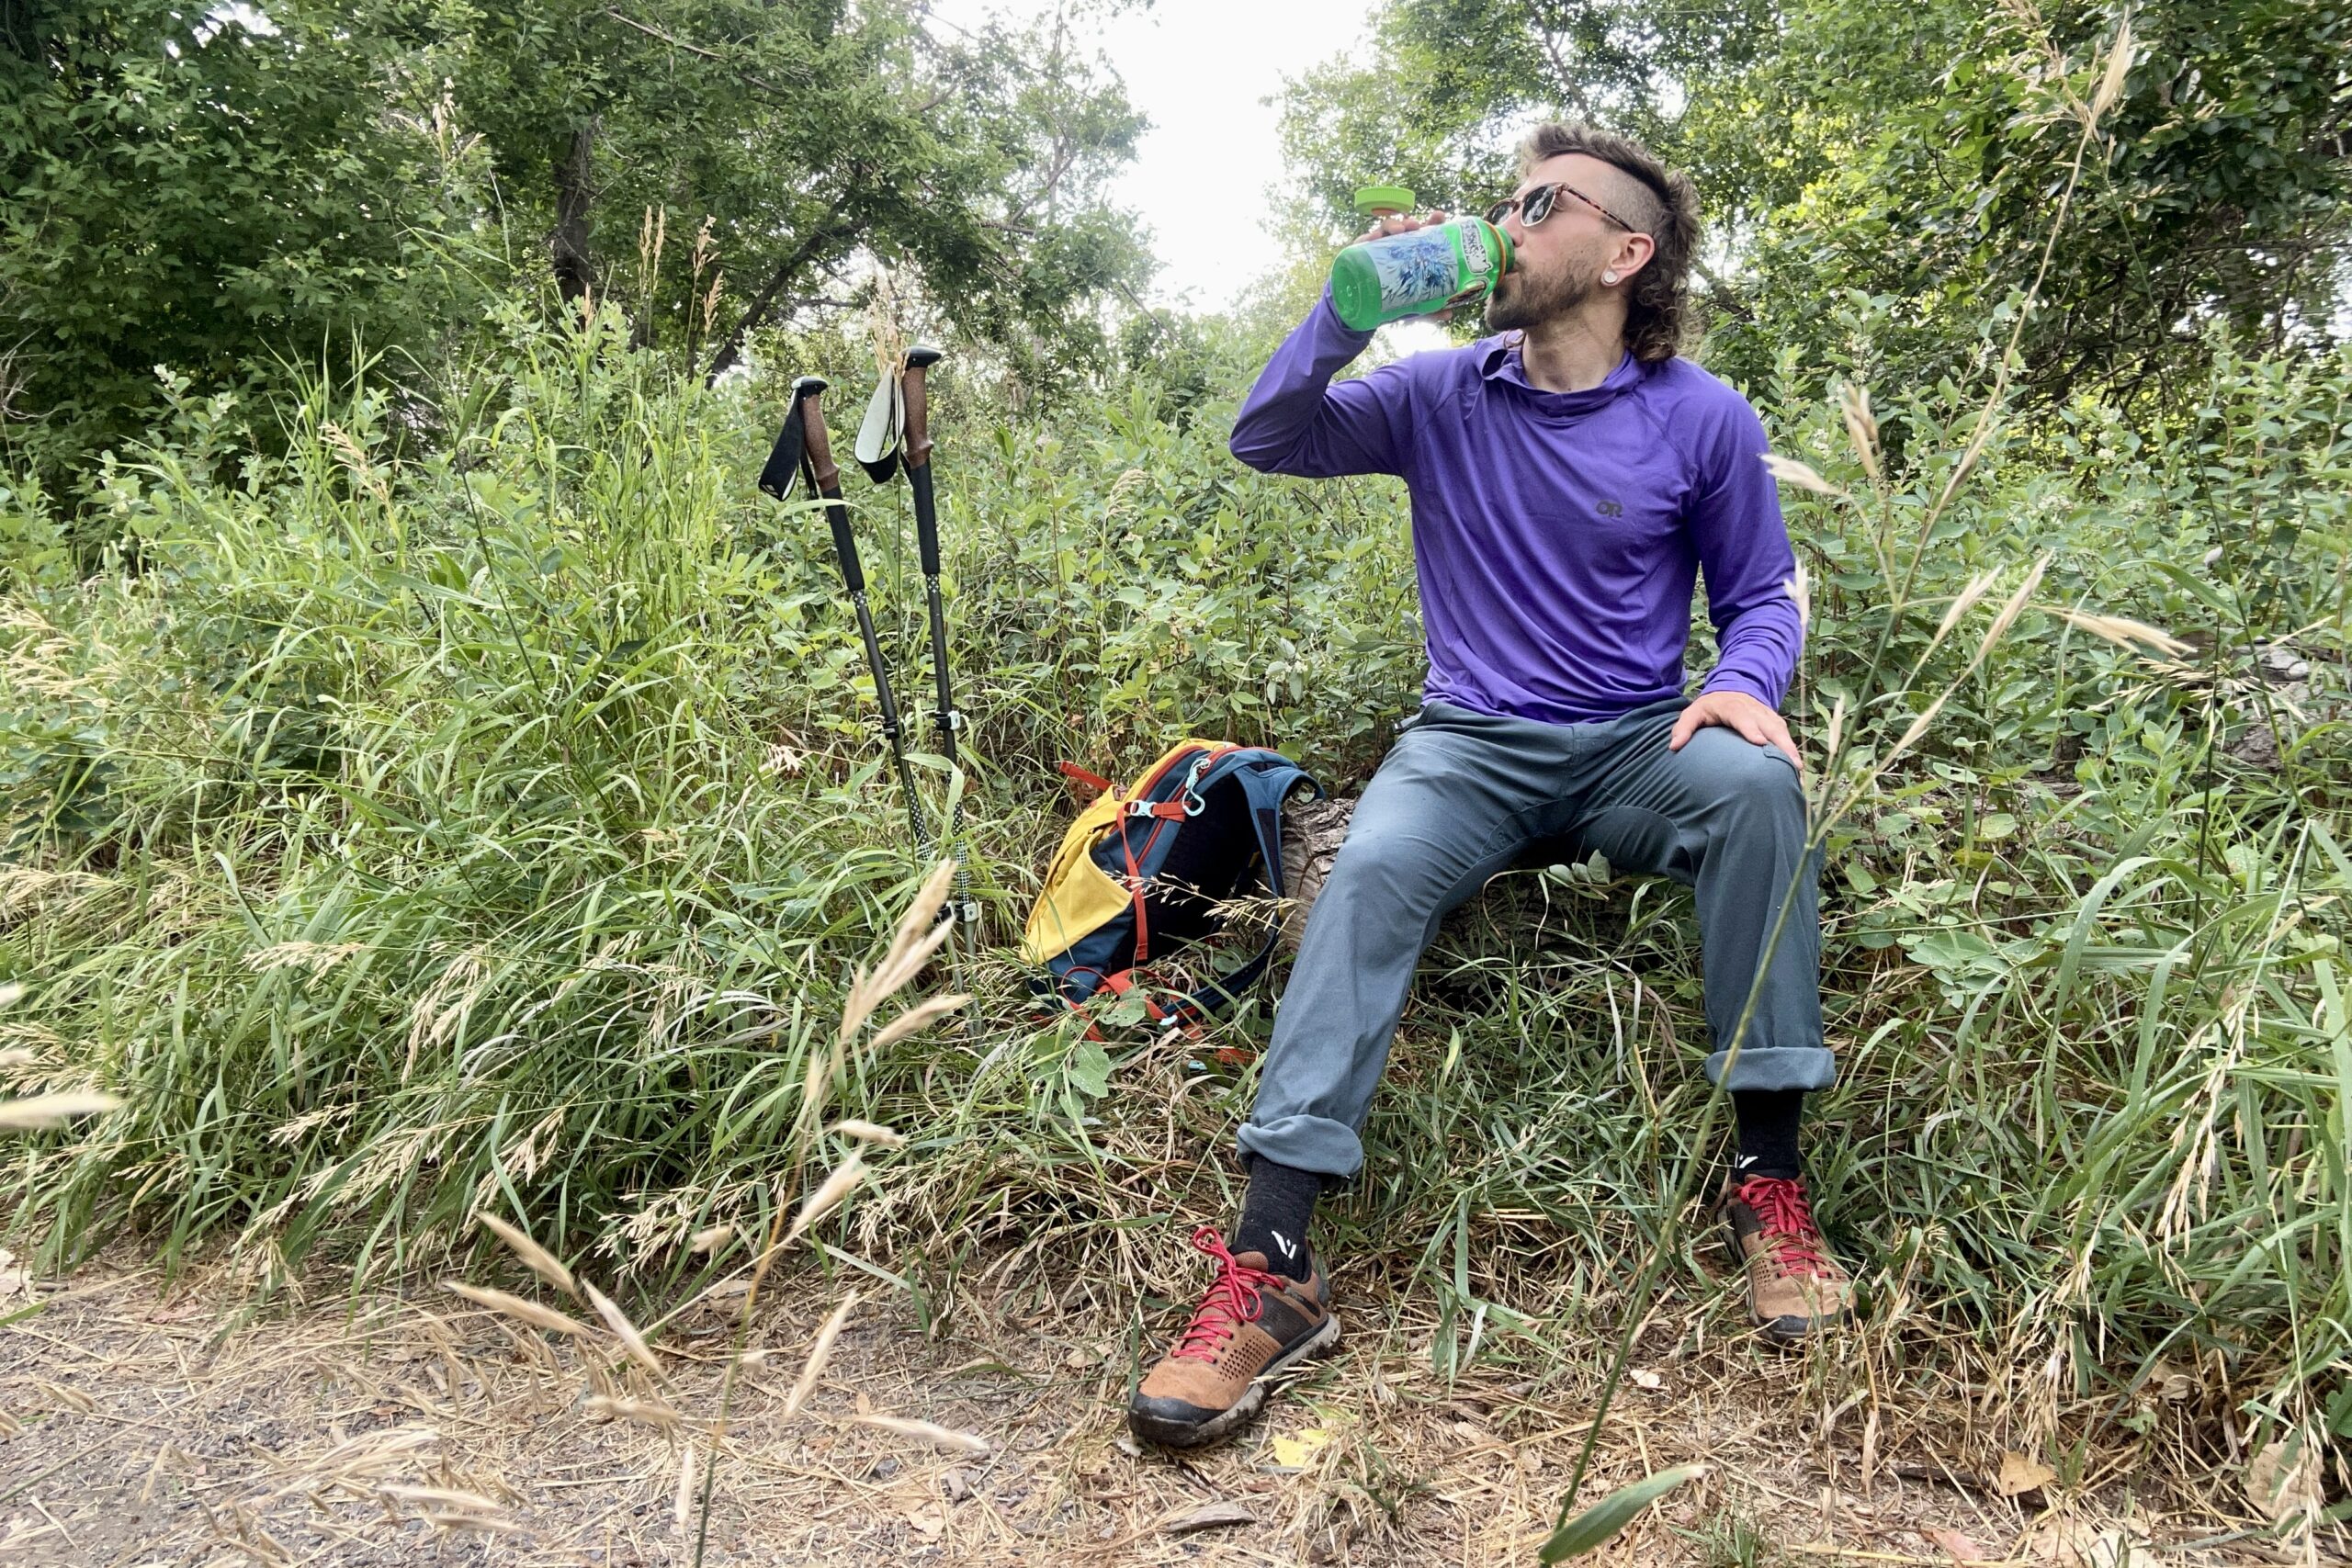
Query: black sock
column 1768, row 1131
column 1274, row 1214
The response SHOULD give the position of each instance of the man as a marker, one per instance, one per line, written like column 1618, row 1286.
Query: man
column 1569, row 478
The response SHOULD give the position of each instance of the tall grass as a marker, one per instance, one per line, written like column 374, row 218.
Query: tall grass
column 475, row 811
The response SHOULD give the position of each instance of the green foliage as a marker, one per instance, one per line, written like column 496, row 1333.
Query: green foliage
column 1910, row 154
column 2217, row 187
column 344, row 191
column 414, row 827
column 804, row 134
column 182, row 191
column 1607, row 1519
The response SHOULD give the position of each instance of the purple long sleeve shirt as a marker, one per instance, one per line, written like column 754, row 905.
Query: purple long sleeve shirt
column 1557, row 535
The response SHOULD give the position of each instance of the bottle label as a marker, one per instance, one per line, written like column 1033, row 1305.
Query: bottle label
column 1417, row 268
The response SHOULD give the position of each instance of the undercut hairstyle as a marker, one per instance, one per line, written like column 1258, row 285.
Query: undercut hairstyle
column 1663, row 204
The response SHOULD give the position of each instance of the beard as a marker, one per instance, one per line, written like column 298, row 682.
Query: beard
column 1535, row 299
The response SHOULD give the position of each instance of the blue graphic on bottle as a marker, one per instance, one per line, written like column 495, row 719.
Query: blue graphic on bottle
column 1415, row 268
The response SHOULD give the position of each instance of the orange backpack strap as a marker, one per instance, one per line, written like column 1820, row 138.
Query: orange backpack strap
column 1084, row 784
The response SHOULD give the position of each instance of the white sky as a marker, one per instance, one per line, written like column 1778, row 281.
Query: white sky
column 1198, row 68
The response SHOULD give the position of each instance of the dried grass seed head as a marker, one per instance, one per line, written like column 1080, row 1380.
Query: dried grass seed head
column 529, row 1311
column 623, row 1329
column 537, row 1259
column 53, row 1109
column 821, row 1201
column 819, row 1353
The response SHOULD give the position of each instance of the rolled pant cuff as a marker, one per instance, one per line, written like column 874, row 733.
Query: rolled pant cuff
column 1304, row 1142
column 1777, row 1067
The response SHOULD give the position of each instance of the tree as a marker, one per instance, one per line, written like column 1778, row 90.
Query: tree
column 807, row 133
column 213, row 192
column 1913, row 152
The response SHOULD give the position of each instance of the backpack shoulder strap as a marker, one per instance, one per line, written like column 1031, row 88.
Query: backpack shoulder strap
column 1266, row 778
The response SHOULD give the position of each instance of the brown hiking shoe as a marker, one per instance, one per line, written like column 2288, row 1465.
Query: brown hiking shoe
column 1795, row 1288
column 1251, row 1325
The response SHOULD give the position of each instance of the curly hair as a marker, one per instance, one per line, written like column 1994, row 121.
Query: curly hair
column 1657, row 306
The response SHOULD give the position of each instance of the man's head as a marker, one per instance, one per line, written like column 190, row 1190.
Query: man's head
column 1619, row 223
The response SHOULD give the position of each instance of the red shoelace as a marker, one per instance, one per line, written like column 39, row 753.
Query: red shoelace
column 1232, row 1301
column 1786, row 1215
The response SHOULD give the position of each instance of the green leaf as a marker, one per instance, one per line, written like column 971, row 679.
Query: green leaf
column 1090, row 1069
column 1601, row 1523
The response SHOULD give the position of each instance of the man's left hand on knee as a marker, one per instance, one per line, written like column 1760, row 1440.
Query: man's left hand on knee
column 1739, row 712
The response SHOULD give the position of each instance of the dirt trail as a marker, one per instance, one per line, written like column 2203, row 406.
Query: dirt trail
column 142, row 1426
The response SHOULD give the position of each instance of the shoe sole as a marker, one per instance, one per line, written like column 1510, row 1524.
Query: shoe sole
column 1783, row 1331
column 1170, row 1435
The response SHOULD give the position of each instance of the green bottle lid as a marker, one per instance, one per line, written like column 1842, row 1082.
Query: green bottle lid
column 1375, row 200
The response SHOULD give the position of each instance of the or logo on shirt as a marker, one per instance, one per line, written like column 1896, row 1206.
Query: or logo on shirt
column 1610, row 508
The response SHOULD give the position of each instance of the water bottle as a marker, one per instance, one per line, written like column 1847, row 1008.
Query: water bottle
column 1414, row 274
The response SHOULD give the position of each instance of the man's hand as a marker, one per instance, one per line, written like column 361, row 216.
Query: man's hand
column 1736, row 710
column 1403, row 223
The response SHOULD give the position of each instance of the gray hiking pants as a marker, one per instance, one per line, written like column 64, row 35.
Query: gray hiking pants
column 1457, row 800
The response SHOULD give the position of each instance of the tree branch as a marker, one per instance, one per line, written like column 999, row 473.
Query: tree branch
column 731, row 349
column 700, row 53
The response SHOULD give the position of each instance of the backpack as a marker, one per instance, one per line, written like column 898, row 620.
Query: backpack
column 1141, row 871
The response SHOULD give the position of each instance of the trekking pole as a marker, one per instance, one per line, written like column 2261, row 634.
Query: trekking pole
column 803, row 450
column 946, row 720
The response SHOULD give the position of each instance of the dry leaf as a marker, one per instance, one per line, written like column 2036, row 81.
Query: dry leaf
column 1297, row 1453
column 2021, row 1474
column 2282, row 1480
column 1209, row 1518
column 1959, row 1548
column 2170, row 1384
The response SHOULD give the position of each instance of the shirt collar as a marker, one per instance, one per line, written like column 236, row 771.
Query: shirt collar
column 1498, row 361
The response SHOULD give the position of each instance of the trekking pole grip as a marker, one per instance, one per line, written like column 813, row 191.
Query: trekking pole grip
column 917, row 395
column 821, row 467
column 826, row 475
column 920, row 359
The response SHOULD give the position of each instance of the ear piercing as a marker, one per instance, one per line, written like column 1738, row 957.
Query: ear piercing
column 1608, row 277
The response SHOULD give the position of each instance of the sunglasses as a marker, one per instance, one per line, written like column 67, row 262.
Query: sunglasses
column 1536, row 206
